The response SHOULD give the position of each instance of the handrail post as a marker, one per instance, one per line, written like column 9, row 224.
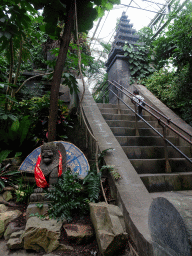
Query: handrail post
column 118, row 102
column 136, row 121
column 118, row 107
column 104, row 99
column 167, row 164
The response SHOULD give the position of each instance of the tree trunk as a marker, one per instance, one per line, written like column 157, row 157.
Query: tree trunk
column 65, row 40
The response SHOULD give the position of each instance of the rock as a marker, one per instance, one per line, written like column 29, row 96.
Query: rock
column 15, row 241
column 42, row 234
column 6, row 217
column 11, row 228
column 3, row 208
column 2, row 201
column 65, row 248
column 109, row 227
column 9, row 188
column 17, row 234
column 7, row 196
column 15, row 244
column 33, row 208
column 78, row 233
column 38, row 197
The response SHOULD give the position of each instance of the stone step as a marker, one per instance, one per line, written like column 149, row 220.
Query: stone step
column 144, row 141
column 124, row 131
column 167, row 181
column 109, row 105
column 143, row 166
column 115, row 111
column 126, row 117
column 154, row 152
column 131, row 124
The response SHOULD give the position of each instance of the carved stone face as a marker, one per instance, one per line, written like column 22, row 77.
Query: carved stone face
column 47, row 156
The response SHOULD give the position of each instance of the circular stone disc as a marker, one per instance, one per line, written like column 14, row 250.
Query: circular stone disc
column 76, row 160
column 168, row 230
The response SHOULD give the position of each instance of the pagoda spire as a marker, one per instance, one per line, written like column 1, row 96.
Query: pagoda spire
column 118, row 64
column 124, row 33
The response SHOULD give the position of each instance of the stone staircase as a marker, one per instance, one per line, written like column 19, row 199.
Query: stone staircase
column 146, row 151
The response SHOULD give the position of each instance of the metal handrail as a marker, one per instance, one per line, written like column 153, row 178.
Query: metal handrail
column 100, row 87
column 158, row 119
column 168, row 119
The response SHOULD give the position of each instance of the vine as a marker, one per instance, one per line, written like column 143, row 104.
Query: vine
column 139, row 61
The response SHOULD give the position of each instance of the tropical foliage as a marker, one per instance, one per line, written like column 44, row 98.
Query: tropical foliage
column 71, row 195
column 7, row 176
column 18, row 38
column 171, row 88
column 139, row 60
column 171, row 57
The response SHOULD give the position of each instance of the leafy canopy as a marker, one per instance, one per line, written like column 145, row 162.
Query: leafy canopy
column 87, row 12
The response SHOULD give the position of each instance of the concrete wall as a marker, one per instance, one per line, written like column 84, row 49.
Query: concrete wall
column 130, row 193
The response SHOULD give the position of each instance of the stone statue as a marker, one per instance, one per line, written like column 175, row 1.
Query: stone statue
column 51, row 163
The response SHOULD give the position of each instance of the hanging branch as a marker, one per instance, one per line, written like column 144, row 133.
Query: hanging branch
column 79, row 54
column 19, row 62
column 30, row 79
column 18, row 68
column 11, row 64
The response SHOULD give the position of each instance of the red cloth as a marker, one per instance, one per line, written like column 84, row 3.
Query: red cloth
column 39, row 175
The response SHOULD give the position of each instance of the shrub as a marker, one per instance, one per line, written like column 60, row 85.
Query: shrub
column 71, row 195
column 174, row 90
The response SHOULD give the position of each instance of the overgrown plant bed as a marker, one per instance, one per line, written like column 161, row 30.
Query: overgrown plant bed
column 76, row 136
column 87, row 249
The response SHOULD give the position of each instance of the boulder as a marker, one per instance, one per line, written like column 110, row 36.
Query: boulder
column 15, row 241
column 11, row 228
column 109, row 227
column 33, row 208
column 9, row 188
column 6, row 218
column 7, row 195
column 3, row 208
column 42, row 234
column 78, row 233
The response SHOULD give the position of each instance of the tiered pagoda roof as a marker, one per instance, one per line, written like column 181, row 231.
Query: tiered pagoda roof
column 125, row 33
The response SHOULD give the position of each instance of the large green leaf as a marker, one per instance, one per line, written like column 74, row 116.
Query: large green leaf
column 10, row 173
column 15, row 125
column 4, row 154
column 2, row 184
column 24, row 128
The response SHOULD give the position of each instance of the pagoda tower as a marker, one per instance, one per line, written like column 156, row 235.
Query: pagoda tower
column 118, row 64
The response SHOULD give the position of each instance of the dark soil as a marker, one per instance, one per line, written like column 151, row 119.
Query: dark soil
column 79, row 250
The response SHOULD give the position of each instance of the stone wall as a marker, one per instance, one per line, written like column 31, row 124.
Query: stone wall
column 119, row 71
